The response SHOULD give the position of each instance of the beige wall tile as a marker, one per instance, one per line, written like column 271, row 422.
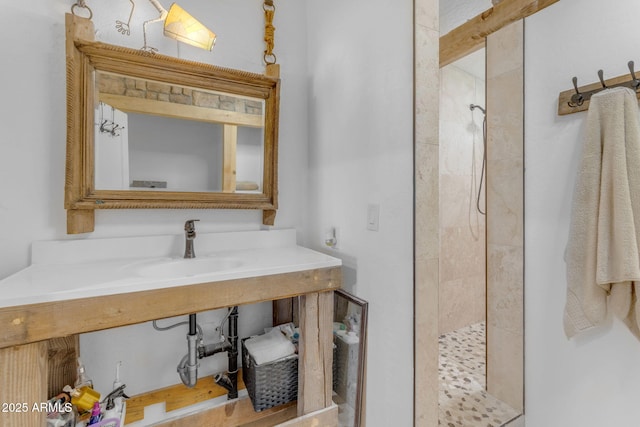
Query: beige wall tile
column 427, row 188
column 458, row 204
column 457, row 148
column 426, row 344
column 427, row 85
column 507, row 98
column 427, row 14
column 505, row 49
column 461, row 255
column 505, row 202
column 462, row 228
column 462, row 303
column 505, row 298
column 460, row 128
column 505, row 364
column 510, row 141
column 505, row 210
column 426, row 230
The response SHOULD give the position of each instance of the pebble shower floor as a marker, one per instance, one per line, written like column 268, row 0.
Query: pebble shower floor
column 463, row 400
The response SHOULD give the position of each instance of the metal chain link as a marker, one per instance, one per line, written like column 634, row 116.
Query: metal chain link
column 81, row 4
column 269, row 31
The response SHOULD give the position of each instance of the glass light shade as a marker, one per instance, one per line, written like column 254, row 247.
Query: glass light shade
column 183, row 27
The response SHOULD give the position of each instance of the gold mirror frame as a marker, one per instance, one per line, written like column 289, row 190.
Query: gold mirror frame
column 86, row 56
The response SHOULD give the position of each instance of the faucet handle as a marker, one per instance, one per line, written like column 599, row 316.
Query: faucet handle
column 190, row 226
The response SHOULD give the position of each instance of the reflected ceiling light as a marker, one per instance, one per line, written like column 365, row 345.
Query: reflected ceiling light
column 181, row 26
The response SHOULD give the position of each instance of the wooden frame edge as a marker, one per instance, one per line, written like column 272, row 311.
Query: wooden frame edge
column 83, row 55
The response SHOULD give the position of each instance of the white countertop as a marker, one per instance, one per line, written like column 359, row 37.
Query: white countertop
column 72, row 269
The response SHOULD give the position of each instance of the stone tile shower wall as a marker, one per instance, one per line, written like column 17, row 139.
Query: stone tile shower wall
column 426, row 232
column 505, row 221
column 462, row 227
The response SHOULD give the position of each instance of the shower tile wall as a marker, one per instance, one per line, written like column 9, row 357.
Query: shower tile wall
column 505, row 275
column 462, row 228
column 427, row 84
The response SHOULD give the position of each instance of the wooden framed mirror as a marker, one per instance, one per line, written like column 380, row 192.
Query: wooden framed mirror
column 152, row 131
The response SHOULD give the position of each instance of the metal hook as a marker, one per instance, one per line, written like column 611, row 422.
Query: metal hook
column 110, row 127
column 635, row 83
column 82, row 5
column 114, row 131
column 104, row 125
column 577, row 99
column 601, row 77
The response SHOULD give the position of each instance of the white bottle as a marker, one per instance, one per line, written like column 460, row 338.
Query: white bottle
column 119, row 409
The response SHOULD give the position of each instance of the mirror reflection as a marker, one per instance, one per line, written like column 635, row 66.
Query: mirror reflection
column 128, row 146
column 349, row 339
column 158, row 136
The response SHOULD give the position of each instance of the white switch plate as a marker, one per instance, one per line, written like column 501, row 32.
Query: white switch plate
column 373, row 217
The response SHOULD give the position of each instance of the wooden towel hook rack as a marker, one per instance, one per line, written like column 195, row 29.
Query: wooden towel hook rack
column 577, row 99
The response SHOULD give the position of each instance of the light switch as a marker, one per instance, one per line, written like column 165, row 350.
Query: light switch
column 373, row 217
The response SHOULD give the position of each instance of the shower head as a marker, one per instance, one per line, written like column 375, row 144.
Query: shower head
column 474, row 106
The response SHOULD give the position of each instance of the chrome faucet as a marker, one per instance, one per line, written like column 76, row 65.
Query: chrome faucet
column 190, row 235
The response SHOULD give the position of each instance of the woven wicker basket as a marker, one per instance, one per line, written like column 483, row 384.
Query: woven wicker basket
column 270, row 384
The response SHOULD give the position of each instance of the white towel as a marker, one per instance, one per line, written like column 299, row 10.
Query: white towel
column 602, row 253
column 269, row 347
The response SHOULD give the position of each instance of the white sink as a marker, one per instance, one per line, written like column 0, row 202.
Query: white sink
column 186, row 267
column 86, row 268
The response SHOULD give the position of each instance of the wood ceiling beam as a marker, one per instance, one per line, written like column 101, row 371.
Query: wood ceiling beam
column 470, row 36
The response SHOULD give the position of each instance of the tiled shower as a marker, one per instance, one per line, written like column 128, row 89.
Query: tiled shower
column 463, row 397
column 462, row 226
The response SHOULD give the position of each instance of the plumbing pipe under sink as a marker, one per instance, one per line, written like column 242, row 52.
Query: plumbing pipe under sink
column 229, row 380
column 188, row 366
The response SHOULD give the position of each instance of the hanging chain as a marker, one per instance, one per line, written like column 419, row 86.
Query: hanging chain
column 81, row 4
column 269, row 31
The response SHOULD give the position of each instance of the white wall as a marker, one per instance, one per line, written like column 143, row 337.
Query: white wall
column 32, row 112
column 159, row 150
column 593, row 380
column 358, row 92
column 361, row 152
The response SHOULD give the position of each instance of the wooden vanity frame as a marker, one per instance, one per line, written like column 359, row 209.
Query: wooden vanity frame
column 31, row 356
